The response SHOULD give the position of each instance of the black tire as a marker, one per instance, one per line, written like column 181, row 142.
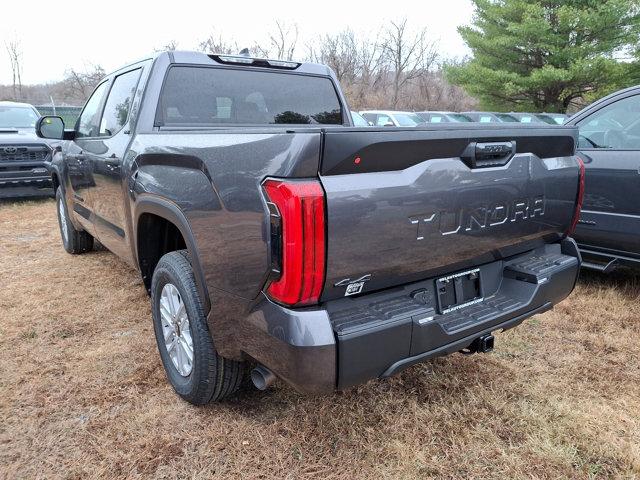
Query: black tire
column 74, row 241
column 212, row 377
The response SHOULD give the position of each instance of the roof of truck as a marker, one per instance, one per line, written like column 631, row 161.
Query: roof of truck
column 200, row 58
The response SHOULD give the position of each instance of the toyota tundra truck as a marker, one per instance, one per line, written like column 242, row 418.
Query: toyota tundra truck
column 271, row 232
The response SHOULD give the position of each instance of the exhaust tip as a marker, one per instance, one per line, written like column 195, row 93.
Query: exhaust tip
column 262, row 378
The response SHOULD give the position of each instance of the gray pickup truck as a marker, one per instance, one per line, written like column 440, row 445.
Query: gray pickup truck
column 23, row 156
column 269, row 230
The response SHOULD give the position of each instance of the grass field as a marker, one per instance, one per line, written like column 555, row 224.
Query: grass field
column 83, row 393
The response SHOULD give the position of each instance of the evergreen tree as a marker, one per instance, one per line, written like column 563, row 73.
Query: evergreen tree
column 544, row 55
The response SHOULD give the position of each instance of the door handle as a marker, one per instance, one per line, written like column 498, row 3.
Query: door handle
column 491, row 154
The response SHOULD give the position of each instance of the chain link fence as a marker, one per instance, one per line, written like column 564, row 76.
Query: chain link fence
column 68, row 114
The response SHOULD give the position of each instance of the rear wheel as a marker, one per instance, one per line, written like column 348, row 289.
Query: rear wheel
column 74, row 241
column 194, row 368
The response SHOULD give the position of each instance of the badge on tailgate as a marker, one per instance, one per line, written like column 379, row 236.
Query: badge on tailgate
column 459, row 290
column 354, row 286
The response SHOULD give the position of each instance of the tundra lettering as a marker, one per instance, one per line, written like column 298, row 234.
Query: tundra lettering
column 479, row 217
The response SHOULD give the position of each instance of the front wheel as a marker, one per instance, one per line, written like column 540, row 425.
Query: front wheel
column 194, row 368
column 74, row 241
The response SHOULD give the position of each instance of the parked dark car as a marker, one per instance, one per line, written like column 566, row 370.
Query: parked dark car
column 484, row 117
column 443, row 117
column 608, row 232
column 267, row 228
column 552, row 118
column 23, row 156
column 506, row 117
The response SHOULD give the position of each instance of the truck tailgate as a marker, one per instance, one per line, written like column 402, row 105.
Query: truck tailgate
column 403, row 205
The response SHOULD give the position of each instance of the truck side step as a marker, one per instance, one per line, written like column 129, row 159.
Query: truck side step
column 601, row 267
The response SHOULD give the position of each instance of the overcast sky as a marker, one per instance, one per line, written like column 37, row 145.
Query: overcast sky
column 65, row 34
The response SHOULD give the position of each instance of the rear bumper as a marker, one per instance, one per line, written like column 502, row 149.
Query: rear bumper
column 349, row 341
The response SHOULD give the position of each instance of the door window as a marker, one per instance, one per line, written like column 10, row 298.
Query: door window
column 116, row 109
column 614, row 126
column 89, row 122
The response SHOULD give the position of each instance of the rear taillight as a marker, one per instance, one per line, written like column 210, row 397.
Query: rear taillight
column 299, row 240
column 576, row 214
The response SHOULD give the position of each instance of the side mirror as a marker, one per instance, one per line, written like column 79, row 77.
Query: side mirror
column 50, row 127
column 389, row 124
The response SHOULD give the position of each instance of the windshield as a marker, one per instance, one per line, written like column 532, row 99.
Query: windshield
column 407, row 119
column 528, row 119
column 17, row 117
column 459, row 117
column 547, row 119
column 505, row 117
column 358, row 120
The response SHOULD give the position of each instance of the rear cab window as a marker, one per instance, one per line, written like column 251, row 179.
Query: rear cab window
column 218, row 96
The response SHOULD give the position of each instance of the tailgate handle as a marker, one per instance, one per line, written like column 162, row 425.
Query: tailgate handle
column 490, row 154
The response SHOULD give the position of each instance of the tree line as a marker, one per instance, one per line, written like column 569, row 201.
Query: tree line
column 397, row 67
column 526, row 55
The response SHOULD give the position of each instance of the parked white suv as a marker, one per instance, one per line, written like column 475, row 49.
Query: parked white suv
column 390, row 118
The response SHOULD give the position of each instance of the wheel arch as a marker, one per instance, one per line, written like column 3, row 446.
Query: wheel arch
column 167, row 211
column 55, row 181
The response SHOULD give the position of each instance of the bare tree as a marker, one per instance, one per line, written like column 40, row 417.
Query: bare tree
column 407, row 57
column 340, row 53
column 214, row 43
column 79, row 85
column 386, row 68
column 283, row 41
column 14, row 49
column 170, row 46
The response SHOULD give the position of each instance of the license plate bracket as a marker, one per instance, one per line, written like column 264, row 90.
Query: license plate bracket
column 458, row 290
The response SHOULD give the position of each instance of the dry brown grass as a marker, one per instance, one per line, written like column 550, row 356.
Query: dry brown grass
column 83, row 393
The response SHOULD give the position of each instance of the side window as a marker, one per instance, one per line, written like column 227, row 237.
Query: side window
column 370, row 117
column 614, row 126
column 116, row 109
column 89, row 122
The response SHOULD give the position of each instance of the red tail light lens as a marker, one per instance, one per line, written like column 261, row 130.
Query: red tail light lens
column 579, row 200
column 300, row 207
